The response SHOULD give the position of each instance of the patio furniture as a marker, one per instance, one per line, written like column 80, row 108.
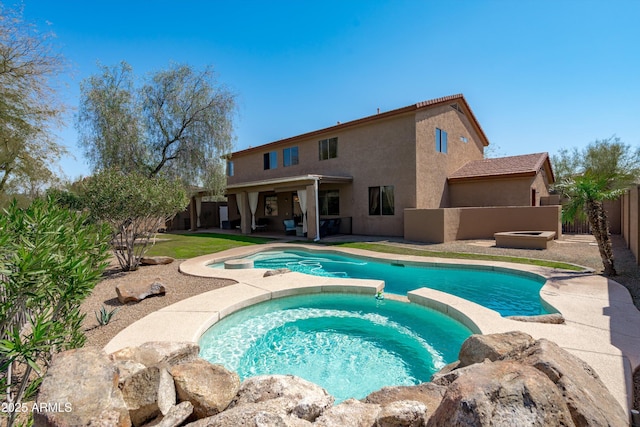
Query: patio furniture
column 289, row 226
column 261, row 224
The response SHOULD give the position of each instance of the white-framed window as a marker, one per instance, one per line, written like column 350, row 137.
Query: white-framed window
column 290, row 156
column 441, row 140
column 270, row 160
column 328, row 148
column 381, row 200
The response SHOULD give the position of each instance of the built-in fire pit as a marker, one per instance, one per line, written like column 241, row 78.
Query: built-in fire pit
column 525, row 239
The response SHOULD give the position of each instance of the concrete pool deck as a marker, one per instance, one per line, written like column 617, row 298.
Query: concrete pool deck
column 601, row 322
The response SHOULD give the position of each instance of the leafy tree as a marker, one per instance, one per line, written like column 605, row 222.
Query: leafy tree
column 176, row 123
column 29, row 106
column 50, row 260
column 135, row 207
column 586, row 178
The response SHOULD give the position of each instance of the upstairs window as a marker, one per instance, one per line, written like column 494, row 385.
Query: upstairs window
column 381, row 200
column 290, row 156
column 270, row 160
column 230, row 168
column 328, row 148
column 441, row 140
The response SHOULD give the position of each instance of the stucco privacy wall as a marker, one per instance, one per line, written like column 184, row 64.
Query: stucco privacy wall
column 629, row 218
column 449, row 224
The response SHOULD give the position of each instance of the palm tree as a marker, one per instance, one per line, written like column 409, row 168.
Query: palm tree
column 601, row 171
column 585, row 195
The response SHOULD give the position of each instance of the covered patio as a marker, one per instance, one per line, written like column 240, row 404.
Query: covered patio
column 310, row 205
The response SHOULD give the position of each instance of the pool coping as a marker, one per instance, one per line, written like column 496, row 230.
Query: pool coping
column 600, row 317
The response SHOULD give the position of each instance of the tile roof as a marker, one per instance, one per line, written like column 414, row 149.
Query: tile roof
column 413, row 107
column 524, row 165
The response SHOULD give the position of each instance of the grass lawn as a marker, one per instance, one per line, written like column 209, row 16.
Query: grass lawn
column 377, row 247
column 183, row 246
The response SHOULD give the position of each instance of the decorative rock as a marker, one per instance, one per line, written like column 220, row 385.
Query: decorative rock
column 553, row 319
column 429, row 394
column 167, row 393
column 308, row 400
column 210, row 388
column 159, row 353
column 477, row 348
column 98, row 401
column 351, row 412
column 502, row 393
column 588, row 399
column 276, row 272
column 156, row 260
column 176, row 415
column 273, row 412
column 407, row 413
column 136, row 292
column 140, row 393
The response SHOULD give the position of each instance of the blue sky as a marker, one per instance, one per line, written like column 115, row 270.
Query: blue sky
column 539, row 75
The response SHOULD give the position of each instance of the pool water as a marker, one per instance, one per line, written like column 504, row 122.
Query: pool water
column 508, row 293
column 349, row 344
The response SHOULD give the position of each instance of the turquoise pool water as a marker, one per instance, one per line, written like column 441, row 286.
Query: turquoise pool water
column 349, row 344
column 508, row 293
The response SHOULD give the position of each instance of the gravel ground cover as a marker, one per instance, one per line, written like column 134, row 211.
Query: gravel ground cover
column 577, row 249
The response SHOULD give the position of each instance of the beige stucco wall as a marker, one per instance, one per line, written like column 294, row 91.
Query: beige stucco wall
column 432, row 167
column 631, row 216
column 445, row 225
column 499, row 191
column 399, row 151
column 376, row 154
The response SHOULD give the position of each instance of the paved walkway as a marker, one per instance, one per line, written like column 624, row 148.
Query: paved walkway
column 601, row 321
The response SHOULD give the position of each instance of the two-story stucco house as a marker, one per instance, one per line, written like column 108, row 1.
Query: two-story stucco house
column 367, row 172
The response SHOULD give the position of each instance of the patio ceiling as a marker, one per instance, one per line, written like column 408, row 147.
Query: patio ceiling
column 287, row 183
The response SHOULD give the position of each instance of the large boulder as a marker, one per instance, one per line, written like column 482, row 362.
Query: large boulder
column 159, row 353
column 156, row 260
column 588, row 399
column 350, row 413
column 306, row 400
column 136, row 292
column 503, row 393
column 84, row 384
column 477, row 348
column 176, row 415
column 427, row 393
column 273, row 412
column 210, row 388
column 140, row 392
column 403, row 413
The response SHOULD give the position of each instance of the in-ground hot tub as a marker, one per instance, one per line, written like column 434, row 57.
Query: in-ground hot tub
column 525, row 239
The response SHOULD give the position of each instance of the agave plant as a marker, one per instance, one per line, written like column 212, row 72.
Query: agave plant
column 104, row 316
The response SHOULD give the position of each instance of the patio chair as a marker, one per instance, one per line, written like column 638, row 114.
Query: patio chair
column 289, row 226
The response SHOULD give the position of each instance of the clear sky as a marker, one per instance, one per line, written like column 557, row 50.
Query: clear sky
column 539, row 75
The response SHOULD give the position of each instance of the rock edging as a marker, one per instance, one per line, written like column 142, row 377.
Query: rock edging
column 500, row 379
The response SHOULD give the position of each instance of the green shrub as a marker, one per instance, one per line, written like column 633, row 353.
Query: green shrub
column 50, row 260
column 135, row 207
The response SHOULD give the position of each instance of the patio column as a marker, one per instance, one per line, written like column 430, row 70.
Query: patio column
column 193, row 217
column 316, row 184
column 311, row 211
column 198, row 209
column 241, row 200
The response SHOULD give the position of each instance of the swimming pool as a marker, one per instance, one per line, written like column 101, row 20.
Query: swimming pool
column 349, row 344
column 507, row 292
